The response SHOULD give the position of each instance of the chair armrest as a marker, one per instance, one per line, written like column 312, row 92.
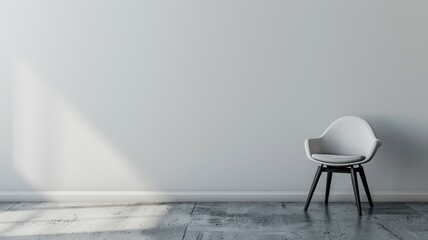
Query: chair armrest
column 375, row 145
column 312, row 146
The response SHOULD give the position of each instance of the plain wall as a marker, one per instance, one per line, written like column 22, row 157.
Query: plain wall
column 207, row 95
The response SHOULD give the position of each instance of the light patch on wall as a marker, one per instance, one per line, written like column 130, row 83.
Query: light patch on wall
column 56, row 147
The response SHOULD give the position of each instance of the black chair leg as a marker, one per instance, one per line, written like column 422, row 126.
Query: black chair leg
column 314, row 185
column 366, row 186
column 327, row 189
column 356, row 192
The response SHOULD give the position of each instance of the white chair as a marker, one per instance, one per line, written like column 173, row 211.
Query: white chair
column 347, row 143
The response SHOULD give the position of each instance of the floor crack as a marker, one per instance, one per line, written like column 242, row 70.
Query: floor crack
column 7, row 209
column 389, row 230
column 185, row 231
column 193, row 209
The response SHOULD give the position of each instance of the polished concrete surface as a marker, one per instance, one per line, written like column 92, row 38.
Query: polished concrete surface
column 214, row 221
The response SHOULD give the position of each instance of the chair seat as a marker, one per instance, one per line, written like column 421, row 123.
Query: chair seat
column 331, row 158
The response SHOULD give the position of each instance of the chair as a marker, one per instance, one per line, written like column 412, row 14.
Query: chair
column 347, row 143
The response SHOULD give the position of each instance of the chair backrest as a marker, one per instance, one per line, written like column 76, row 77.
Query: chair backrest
column 348, row 135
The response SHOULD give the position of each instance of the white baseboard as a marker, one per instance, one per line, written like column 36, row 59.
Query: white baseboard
column 203, row 196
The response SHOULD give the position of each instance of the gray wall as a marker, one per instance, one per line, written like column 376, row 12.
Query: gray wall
column 207, row 95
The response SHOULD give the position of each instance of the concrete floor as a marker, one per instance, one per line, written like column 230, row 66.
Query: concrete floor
column 212, row 221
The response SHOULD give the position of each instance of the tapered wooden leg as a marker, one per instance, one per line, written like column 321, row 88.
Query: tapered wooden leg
column 356, row 192
column 327, row 189
column 366, row 186
column 314, row 185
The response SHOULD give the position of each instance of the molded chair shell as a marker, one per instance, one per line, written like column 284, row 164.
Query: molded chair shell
column 347, row 141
